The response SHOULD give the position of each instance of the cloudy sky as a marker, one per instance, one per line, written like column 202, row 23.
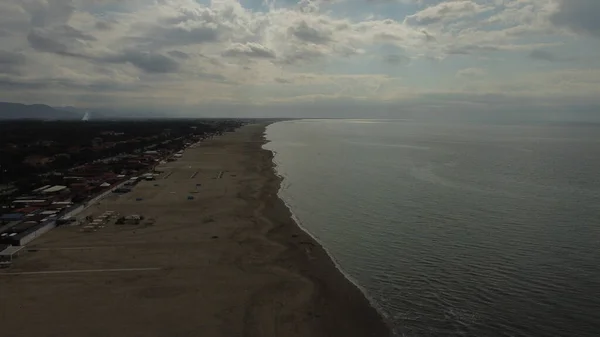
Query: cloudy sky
column 315, row 58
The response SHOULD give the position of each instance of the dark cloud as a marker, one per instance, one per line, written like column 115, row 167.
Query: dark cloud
column 388, row 36
column 66, row 31
column 249, row 50
column 423, row 22
column 160, row 37
column 309, row 34
column 186, row 15
column 17, row 84
column 442, row 11
column 282, row 80
column 103, row 25
column 10, row 63
column 545, row 55
column 542, row 55
column 181, row 36
column 40, row 41
column 470, row 49
column 11, row 58
column 580, row 16
column 302, row 56
column 212, row 77
column 396, row 59
column 428, row 37
column 346, row 50
column 10, row 84
column 146, row 61
column 50, row 12
column 50, row 41
column 13, row 18
column 58, row 40
column 179, row 54
column 471, row 73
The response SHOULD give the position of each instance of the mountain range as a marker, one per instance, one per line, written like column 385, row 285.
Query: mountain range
column 13, row 111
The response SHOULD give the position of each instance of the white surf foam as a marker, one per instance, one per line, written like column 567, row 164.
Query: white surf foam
column 337, row 265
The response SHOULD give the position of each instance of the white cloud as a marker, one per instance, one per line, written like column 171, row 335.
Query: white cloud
column 181, row 50
column 249, row 49
column 471, row 73
column 447, row 11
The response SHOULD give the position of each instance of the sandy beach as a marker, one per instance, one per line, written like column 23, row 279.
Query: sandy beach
column 229, row 262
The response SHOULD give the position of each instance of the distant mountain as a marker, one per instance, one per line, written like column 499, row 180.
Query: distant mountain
column 111, row 114
column 14, row 111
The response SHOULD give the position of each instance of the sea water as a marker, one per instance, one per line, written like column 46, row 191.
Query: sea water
column 454, row 229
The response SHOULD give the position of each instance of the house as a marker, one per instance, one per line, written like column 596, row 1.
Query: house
column 122, row 190
column 26, row 202
column 55, row 189
column 4, row 218
column 39, row 190
column 8, row 253
column 36, row 160
column 26, row 210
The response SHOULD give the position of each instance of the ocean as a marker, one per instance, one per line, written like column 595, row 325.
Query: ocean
column 454, row 229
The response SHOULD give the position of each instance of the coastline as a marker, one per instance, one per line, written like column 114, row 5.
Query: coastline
column 229, row 261
column 337, row 292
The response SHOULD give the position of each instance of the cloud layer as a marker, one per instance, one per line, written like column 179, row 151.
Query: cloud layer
column 183, row 54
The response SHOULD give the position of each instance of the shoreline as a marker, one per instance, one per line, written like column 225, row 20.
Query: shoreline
column 327, row 269
column 339, row 268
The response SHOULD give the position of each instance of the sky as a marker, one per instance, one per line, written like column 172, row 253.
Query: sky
column 307, row 58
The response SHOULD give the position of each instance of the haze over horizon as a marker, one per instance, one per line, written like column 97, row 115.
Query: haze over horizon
column 340, row 58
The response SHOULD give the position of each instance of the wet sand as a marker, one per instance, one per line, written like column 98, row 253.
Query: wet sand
column 229, row 262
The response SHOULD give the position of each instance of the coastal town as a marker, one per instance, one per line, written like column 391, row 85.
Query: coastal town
column 60, row 175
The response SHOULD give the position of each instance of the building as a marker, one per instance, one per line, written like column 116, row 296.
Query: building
column 55, row 189
column 132, row 181
column 8, row 253
column 25, row 232
column 122, row 190
column 39, row 190
column 10, row 217
column 30, row 202
column 26, row 210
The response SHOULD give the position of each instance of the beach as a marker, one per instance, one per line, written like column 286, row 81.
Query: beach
column 216, row 254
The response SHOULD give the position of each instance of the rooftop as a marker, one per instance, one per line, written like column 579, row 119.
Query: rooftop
column 54, row 189
column 11, row 250
column 11, row 216
column 29, row 201
column 41, row 188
